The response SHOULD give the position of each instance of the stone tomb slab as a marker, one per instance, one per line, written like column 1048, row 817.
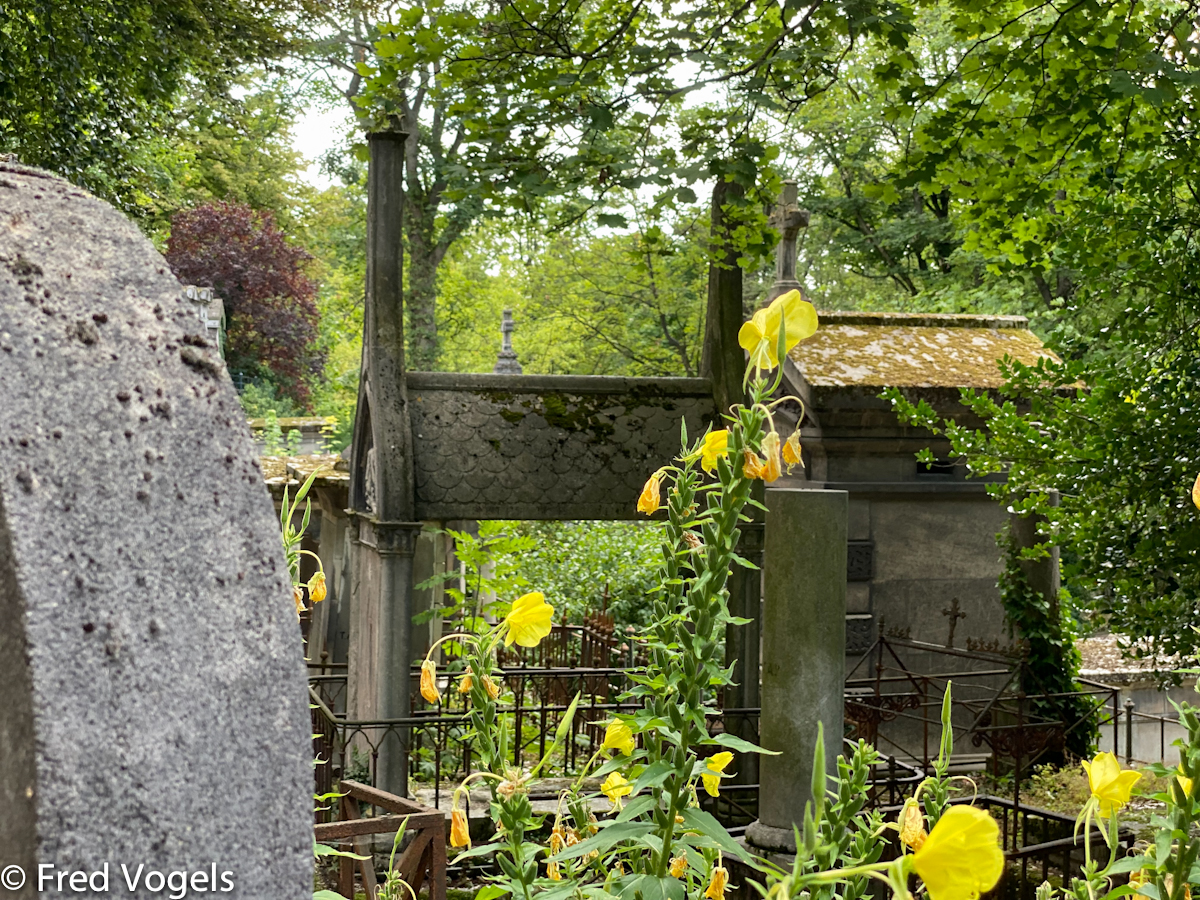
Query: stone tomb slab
column 154, row 681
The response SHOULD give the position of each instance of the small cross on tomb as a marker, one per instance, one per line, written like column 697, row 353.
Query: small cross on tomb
column 788, row 219
column 953, row 613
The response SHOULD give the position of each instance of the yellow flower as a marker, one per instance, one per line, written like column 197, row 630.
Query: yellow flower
column 791, row 451
column 552, row 871
column 491, row 687
column 1196, row 492
column 429, row 688
column 716, row 887
column 912, row 825
column 1185, row 783
column 770, row 449
column 716, row 765
column 1109, row 784
column 316, row 587
column 460, row 834
column 716, row 443
column 614, row 788
column 678, row 866
column 464, row 684
column 760, row 336
column 619, row 737
column 529, row 620
column 298, row 599
column 651, row 498
column 752, row 465
column 961, row 858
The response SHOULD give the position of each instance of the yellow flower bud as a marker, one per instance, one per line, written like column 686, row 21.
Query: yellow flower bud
column 429, row 689
column 316, row 587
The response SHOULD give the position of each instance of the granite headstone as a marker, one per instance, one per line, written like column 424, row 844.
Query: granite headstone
column 156, row 718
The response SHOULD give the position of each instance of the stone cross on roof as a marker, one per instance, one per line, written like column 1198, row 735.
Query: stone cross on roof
column 788, row 218
column 507, row 362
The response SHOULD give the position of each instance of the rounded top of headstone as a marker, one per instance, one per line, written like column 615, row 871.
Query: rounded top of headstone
column 155, row 663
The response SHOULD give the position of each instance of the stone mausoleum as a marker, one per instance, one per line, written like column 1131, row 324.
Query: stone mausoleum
column 922, row 554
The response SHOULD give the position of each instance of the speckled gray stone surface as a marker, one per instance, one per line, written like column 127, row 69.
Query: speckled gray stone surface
column 151, row 660
column 547, row 446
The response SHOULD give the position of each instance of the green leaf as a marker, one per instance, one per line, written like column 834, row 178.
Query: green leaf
column 609, row 836
column 733, row 742
column 490, row 892
column 700, row 821
column 653, row 775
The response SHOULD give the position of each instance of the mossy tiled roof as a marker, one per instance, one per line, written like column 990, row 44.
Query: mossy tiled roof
column 914, row 350
column 293, row 471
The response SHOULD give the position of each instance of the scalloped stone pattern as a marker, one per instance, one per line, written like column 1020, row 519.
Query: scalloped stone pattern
column 545, row 447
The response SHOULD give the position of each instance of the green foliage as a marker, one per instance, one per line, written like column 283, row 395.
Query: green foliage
column 88, row 88
column 586, row 304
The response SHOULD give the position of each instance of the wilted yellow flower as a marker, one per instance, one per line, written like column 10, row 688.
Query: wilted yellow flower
column 716, row 887
column 760, row 336
column 791, row 451
column 752, row 465
column 961, row 858
column 460, row 834
column 651, row 498
column 552, row 871
column 298, row 599
column 619, row 737
column 678, row 866
column 770, row 449
column 429, row 689
column 615, row 787
column 491, row 687
column 557, row 839
column 618, row 868
column 716, row 765
column 1109, row 784
column 464, row 683
column 316, row 587
column 529, row 620
column 912, row 825
column 716, row 443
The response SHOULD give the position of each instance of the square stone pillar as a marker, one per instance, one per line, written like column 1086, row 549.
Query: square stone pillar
column 803, row 652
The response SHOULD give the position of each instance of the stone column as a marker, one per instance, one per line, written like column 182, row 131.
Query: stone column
column 804, row 639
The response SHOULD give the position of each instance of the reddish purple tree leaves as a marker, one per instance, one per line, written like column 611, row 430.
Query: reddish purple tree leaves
column 270, row 302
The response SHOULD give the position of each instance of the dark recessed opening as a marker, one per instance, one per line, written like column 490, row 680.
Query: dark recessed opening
column 939, row 468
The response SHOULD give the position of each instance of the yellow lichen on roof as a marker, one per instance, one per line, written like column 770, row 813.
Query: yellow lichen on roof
column 905, row 350
column 294, row 470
